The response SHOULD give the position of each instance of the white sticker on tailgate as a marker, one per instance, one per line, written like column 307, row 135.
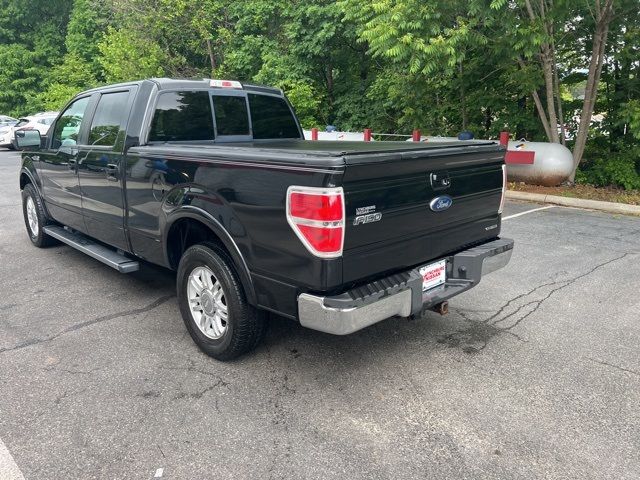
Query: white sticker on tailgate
column 433, row 274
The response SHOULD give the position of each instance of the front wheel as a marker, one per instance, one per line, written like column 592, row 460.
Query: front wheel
column 213, row 304
column 35, row 217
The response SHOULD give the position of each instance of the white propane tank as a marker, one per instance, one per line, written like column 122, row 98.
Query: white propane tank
column 552, row 164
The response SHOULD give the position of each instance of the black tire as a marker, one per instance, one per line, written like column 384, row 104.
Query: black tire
column 37, row 237
column 245, row 325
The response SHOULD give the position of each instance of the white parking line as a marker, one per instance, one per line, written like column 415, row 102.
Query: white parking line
column 8, row 468
column 528, row 211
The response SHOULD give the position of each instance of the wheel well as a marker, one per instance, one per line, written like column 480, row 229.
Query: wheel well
column 24, row 179
column 186, row 232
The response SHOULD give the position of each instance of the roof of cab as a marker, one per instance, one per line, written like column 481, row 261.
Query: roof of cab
column 178, row 83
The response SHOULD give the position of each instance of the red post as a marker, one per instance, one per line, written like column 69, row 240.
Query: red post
column 314, row 134
column 416, row 135
column 367, row 134
column 504, row 138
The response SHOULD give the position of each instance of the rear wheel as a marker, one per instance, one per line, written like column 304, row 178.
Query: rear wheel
column 213, row 304
column 35, row 217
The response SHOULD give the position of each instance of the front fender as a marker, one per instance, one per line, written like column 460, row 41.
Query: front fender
column 28, row 168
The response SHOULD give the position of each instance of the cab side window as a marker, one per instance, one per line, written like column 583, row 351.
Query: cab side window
column 109, row 119
column 68, row 125
column 182, row 117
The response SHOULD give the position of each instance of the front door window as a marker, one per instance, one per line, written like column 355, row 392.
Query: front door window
column 67, row 127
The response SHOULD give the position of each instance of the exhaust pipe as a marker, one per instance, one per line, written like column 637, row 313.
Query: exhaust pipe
column 442, row 308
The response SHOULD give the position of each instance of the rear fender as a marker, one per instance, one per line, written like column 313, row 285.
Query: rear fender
column 217, row 210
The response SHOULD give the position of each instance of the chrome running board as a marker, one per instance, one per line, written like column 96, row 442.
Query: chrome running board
column 101, row 253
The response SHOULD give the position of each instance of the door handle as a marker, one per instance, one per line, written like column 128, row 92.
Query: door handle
column 440, row 181
column 112, row 172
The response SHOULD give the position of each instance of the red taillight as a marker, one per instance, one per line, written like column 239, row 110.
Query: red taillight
column 504, row 187
column 317, row 217
column 315, row 207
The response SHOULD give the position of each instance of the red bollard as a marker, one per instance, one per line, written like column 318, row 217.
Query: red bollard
column 367, row 134
column 415, row 136
column 504, row 138
column 314, row 134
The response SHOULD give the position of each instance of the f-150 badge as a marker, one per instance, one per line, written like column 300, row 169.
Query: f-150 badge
column 366, row 215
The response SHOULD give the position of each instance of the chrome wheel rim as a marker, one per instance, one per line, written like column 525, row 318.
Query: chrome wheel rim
column 32, row 216
column 207, row 302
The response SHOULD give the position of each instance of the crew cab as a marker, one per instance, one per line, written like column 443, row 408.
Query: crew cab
column 213, row 179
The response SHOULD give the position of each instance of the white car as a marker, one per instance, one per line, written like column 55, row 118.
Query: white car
column 39, row 121
column 5, row 127
column 6, row 120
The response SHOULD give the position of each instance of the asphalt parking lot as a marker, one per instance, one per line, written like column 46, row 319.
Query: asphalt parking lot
column 534, row 374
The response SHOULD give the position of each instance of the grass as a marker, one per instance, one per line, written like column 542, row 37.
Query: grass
column 589, row 192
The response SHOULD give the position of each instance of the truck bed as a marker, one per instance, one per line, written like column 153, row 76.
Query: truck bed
column 390, row 178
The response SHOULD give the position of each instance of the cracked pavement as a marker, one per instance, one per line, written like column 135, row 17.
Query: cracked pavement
column 535, row 373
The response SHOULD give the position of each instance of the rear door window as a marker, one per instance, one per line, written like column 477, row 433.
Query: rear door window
column 232, row 118
column 110, row 118
column 271, row 117
column 181, row 117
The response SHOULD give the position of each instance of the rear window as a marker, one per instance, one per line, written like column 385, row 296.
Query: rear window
column 181, row 117
column 231, row 115
column 271, row 117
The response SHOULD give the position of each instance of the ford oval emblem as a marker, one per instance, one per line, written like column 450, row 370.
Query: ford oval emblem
column 440, row 204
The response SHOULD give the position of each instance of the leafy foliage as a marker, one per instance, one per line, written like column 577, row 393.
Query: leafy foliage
column 603, row 167
column 126, row 56
column 442, row 66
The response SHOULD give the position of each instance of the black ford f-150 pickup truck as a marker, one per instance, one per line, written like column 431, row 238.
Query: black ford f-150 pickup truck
column 214, row 179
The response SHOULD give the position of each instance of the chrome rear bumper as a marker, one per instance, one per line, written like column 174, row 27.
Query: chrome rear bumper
column 400, row 294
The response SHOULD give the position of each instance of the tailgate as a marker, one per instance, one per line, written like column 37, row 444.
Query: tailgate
column 408, row 208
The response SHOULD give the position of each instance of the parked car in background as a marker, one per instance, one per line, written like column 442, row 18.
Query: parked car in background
column 6, row 136
column 5, row 130
column 7, row 121
column 40, row 121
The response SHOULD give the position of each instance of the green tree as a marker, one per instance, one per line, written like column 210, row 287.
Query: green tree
column 445, row 39
column 31, row 41
column 80, row 67
column 307, row 49
column 124, row 56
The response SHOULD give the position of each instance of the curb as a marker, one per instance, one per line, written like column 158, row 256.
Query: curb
column 611, row 207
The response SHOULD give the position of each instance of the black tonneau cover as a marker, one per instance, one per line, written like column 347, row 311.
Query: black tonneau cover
column 325, row 153
column 340, row 148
